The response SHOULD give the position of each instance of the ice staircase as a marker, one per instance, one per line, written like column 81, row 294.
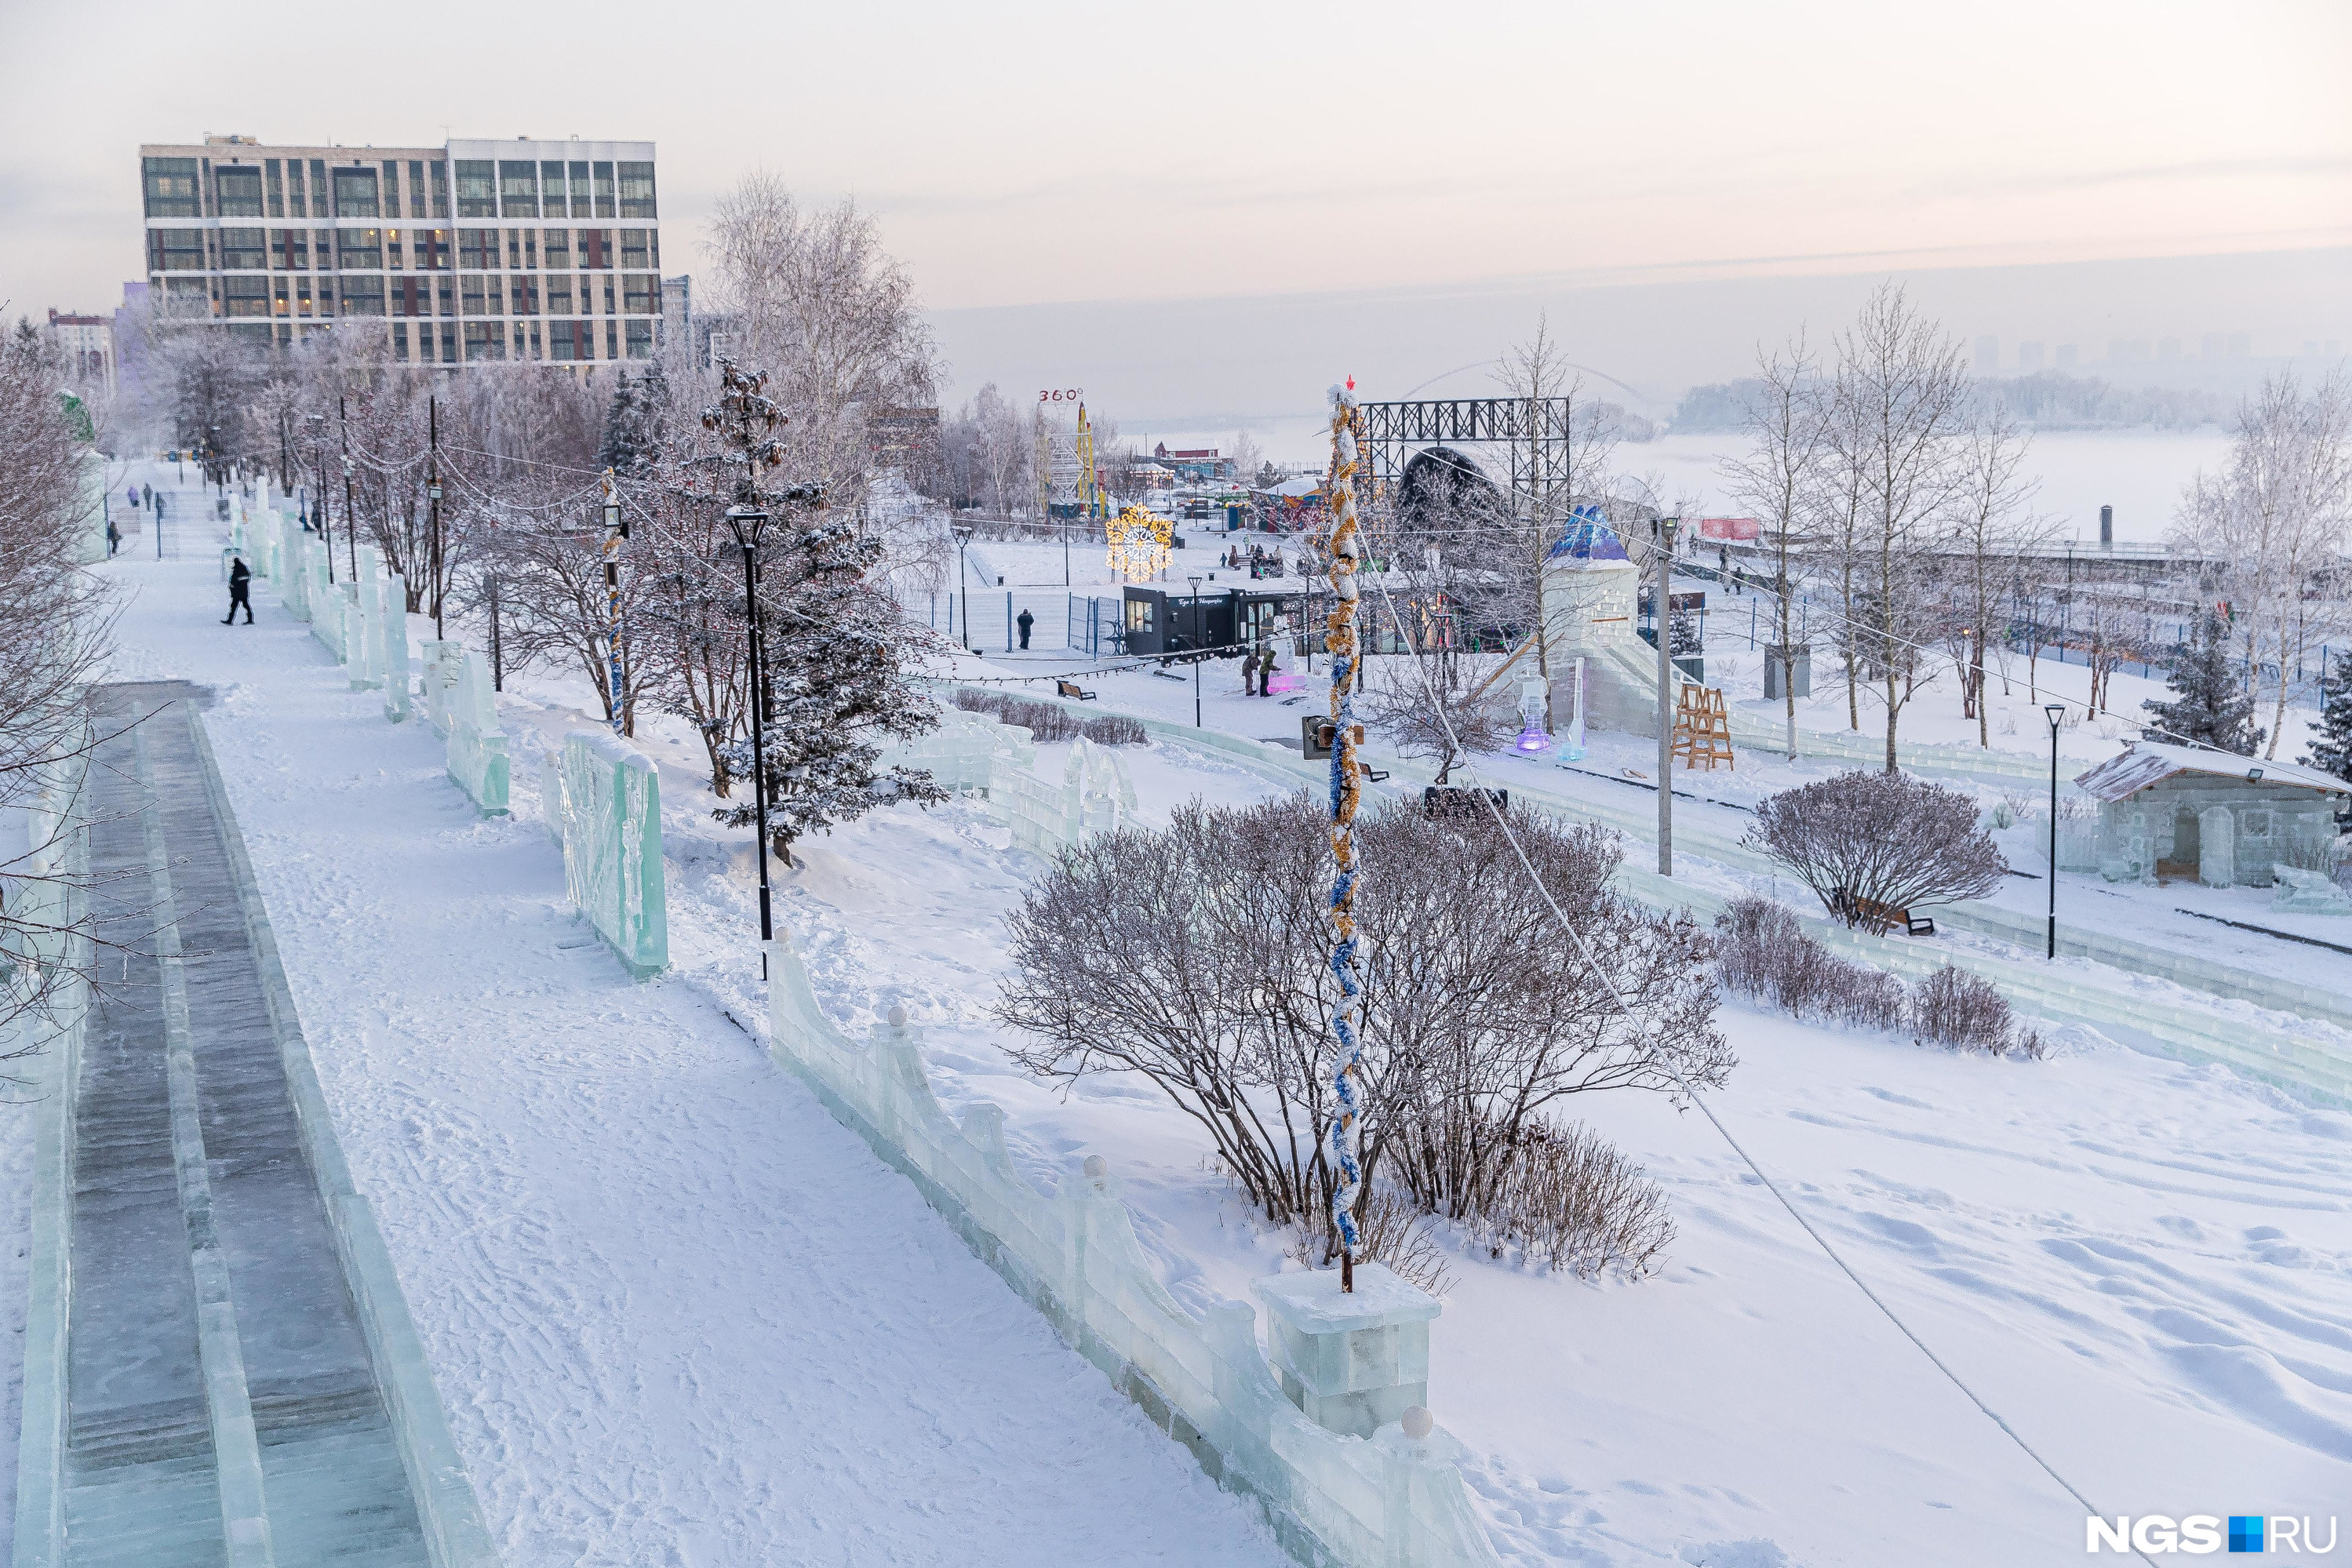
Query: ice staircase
column 218, row 1403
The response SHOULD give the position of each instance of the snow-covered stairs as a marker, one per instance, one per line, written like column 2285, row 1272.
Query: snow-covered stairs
column 221, row 1407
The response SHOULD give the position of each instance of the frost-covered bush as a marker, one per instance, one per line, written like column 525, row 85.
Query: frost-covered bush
column 1954, row 1007
column 1391, row 1228
column 1198, row 957
column 1886, row 839
column 1050, row 722
column 1566, row 1200
column 1762, row 951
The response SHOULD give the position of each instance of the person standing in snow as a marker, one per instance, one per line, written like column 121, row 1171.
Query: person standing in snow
column 240, row 591
column 1025, row 622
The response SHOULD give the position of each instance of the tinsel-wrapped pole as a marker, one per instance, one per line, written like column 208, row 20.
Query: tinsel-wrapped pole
column 1346, row 549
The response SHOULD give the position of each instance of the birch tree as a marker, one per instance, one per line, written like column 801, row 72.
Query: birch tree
column 1778, row 477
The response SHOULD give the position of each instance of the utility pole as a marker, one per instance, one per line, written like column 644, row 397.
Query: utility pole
column 1665, row 553
column 433, row 501
column 498, row 660
column 617, row 528
column 350, row 533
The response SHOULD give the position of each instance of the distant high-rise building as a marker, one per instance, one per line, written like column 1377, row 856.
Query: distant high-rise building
column 1988, row 355
column 2242, row 345
column 87, row 343
column 469, row 253
column 2212, row 345
column 2067, row 356
column 2029, row 356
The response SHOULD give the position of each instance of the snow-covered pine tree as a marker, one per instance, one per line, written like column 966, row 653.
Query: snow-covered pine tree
column 2332, row 752
column 631, row 442
column 833, row 646
column 2210, row 706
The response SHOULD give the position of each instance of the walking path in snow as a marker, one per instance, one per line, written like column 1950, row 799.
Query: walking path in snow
column 220, row 1405
column 679, row 1317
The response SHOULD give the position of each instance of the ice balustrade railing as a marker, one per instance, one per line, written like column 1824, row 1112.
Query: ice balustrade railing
column 1395, row 1499
column 971, row 751
column 478, row 746
column 602, row 800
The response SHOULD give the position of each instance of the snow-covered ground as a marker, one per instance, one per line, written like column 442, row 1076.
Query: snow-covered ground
column 617, row 1222
column 678, row 1315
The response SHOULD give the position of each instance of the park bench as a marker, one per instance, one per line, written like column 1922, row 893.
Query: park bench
column 1070, row 689
column 1882, row 917
column 1458, row 800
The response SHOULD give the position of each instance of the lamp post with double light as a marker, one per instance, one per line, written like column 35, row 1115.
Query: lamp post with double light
column 962, row 532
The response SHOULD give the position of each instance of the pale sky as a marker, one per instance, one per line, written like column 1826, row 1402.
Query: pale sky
column 1038, row 154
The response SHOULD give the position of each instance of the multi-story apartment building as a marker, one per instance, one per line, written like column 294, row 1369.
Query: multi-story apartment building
column 472, row 253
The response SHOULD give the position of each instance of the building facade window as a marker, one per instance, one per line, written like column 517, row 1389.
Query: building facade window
column 175, row 250
column 551, row 185
column 583, row 204
column 597, row 249
column 236, row 191
column 281, row 302
column 562, row 343
column 431, row 247
column 641, row 295
column 478, row 249
column 355, row 195
column 245, row 297
column 358, row 249
column 634, row 248
column 400, row 347
column 557, row 245
column 393, row 250
column 412, row 296
column 440, row 190
column 607, row 207
column 296, row 204
column 640, row 339
column 275, row 179
column 472, row 294
column 392, row 188
column 242, row 250
column 517, row 188
column 447, row 293
column 362, row 296
column 612, row 339
column 485, row 340
column 289, row 249
column 636, row 190
column 170, row 188
column 523, row 296
column 477, row 189
column 559, row 294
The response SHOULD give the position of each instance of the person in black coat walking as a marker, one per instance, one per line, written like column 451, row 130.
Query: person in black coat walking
column 1025, row 622
column 240, row 591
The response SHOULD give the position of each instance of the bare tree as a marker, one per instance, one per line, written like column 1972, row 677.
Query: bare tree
column 1989, row 526
column 2276, row 515
column 52, row 641
column 1779, row 477
column 816, row 298
column 1902, row 391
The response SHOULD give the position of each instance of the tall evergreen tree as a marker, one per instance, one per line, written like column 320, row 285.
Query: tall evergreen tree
column 2210, row 706
column 2332, row 752
column 633, row 436
column 832, row 648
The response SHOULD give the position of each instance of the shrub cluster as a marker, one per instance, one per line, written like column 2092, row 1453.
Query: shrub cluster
column 1762, row 951
column 1565, row 1200
column 1050, row 722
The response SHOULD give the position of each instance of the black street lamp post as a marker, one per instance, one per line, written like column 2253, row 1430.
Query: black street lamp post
column 963, row 580
column 2057, row 712
column 747, row 523
column 1196, row 650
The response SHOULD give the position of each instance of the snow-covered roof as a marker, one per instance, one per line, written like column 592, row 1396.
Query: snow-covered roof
column 2148, row 762
column 1296, row 487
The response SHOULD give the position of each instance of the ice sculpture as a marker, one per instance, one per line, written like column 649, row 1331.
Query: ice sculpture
column 478, row 747
column 612, row 846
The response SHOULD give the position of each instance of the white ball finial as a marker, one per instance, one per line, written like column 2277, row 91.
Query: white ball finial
column 1095, row 1167
column 1417, row 1422
column 897, row 1016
